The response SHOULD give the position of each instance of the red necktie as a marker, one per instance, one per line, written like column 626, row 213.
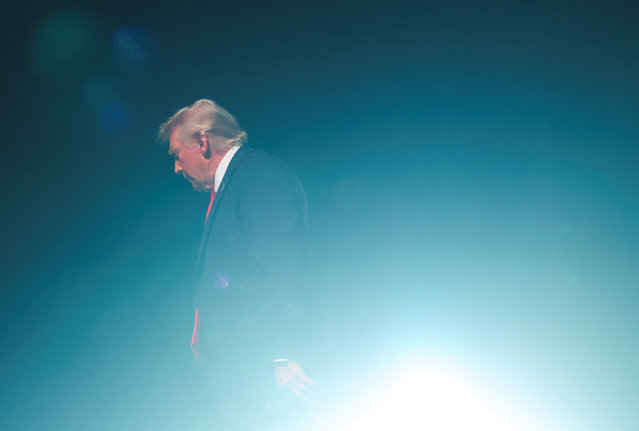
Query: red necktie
column 210, row 205
column 195, row 338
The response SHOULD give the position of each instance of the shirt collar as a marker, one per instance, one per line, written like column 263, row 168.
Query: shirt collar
column 223, row 166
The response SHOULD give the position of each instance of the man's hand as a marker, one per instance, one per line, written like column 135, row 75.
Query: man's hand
column 292, row 377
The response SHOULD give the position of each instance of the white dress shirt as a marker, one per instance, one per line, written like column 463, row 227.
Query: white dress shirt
column 223, row 166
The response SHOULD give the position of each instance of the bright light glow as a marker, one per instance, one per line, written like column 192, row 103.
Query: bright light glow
column 430, row 397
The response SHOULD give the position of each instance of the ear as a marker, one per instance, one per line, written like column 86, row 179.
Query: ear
column 204, row 144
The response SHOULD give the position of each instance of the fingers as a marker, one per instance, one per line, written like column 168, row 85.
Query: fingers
column 301, row 392
column 298, row 389
column 304, row 378
column 297, row 383
column 302, row 387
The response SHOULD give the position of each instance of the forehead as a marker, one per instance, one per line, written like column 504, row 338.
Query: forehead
column 174, row 142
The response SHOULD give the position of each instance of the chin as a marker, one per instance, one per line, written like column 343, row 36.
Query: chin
column 199, row 187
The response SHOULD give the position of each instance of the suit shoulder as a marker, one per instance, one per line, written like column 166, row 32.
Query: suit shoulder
column 263, row 158
column 258, row 162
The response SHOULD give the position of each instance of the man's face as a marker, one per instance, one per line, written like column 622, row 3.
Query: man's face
column 191, row 163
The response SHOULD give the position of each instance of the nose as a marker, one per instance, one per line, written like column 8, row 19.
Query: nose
column 178, row 168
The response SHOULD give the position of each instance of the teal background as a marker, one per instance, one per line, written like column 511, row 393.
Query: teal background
column 471, row 173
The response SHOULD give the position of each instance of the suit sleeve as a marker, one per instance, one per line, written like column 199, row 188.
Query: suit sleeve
column 272, row 213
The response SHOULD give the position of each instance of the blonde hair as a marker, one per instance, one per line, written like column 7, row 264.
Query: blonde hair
column 204, row 117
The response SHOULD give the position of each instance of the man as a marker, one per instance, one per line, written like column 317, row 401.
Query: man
column 249, row 314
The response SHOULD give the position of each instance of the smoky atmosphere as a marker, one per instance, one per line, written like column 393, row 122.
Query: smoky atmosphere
column 407, row 216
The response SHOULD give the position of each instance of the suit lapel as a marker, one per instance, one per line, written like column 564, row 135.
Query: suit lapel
column 235, row 161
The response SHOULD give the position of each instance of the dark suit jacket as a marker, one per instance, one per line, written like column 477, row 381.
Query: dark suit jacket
column 251, row 262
